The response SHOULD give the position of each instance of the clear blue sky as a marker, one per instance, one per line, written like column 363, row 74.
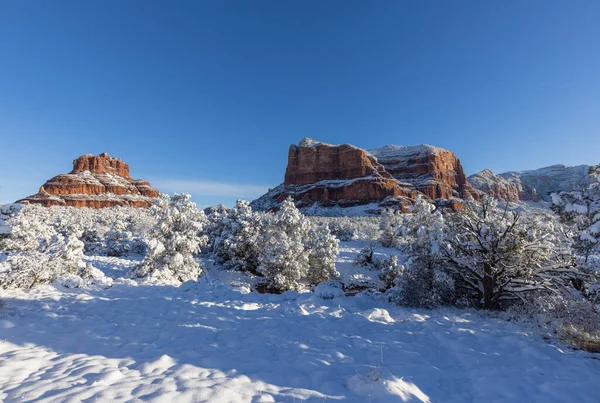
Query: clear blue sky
column 206, row 96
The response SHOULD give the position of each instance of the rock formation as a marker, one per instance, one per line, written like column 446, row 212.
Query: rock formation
column 531, row 185
column 495, row 186
column 346, row 176
column 95, row 181
column 540, row 183
column 434, row 171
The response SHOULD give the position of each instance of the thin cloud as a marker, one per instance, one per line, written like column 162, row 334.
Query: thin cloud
column 209, row 188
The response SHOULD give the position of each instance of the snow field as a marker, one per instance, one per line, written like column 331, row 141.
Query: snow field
column 206, row 342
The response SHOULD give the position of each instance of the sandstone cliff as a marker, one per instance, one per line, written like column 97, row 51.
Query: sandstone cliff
column 95, row 181
column 346, row 176
column 434, row 171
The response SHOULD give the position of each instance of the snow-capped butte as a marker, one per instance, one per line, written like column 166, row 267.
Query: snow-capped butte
column 345, row 176
column 95, row 181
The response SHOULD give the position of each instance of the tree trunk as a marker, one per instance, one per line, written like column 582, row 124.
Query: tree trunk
column 488, row 286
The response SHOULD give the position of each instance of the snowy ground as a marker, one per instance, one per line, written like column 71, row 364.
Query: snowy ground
column 209, row 343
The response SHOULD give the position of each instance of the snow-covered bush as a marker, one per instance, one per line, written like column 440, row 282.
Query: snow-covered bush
column 580, row 210
column 389, row 227
column 342, row 228
column 365, row 257
column 348, row 228
column 329, row 290
column 283, row 259
column 572, row 318
column 40, row 249
column 215, row 216
column 494, row 255
column 27, row 269
column 389, row 271
column 288, row 252
column 118, row 238
column 484, row 256
column 173, row 241
column 236, row 244
column 322, row 249
column 423, row 282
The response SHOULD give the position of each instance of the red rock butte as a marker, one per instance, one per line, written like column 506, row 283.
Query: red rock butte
column 96, row 181
column 392, row 176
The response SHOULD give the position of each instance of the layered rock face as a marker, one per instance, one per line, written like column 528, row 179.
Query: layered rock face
column 346, row 176
column 311, row 162
column 495, row 186
column 434, row 171
column 97, row 182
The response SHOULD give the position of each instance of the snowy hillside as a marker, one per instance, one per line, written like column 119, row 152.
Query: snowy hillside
column 211, row 342
column 555, row 178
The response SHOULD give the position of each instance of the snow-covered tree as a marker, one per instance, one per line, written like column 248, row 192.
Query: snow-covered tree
column 322, row 248
column 389, row 226
column 494, row 254
column 423, row 229
column 390, row 271
column 283, row 259
column 173, row 241
column 581, row 209
column 41, row 247
column 424, row 281
column 235, row 247
column 214, row 227
column 119, row 237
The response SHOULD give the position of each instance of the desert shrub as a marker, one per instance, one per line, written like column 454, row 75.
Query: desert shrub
column 292, row 250
column 173, row 241
column 236, row 237
column 389, row 227
column 366, row 256
column 329, row 290
column 572, row 318
column 349, row 228
column 389, row 271
column 423, row 284
column 40, row 248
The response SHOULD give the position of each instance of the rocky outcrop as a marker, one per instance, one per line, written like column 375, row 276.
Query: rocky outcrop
column 540, row 183
column 495, row 186
column 434, row 171
column 311, row 162
column 346, row 176
column 534, row 185
column 96, row 181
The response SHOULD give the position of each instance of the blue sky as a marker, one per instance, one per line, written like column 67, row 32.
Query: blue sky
column 206, row 96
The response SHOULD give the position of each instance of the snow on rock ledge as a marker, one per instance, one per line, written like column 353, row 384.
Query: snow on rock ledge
column 347, row 176
column 95, row 181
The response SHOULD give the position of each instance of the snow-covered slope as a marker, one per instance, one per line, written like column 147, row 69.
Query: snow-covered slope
column 495, row 185
column 550, row 179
